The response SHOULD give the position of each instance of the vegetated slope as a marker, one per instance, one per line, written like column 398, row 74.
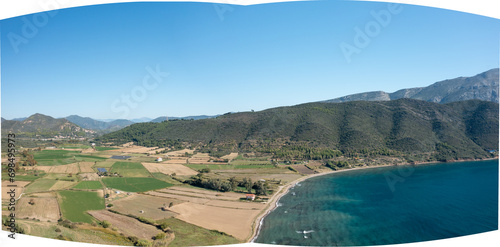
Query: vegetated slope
column 93, row 124
column 43, row 126
column 459, row 130
column 483, row 86
column 161, row 119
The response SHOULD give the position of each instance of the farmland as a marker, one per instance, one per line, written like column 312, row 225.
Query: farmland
column 62, row 157
column 44, row 207
column 86, row 234
column 150, row 205
column 127, row 225
column 88, row 185
column 74, row 205
column 135, row 184
column 54, row 157
column 104, row 148
column 69, row 168
column 72, row 189
column 170, row 169
column 130, row 169
column 191, row 235
column 40, row 185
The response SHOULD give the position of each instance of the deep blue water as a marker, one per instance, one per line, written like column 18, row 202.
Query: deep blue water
column 387, row 205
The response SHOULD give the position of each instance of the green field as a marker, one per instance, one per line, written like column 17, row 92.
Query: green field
column 104, row 148
column 63, row 157
column 55, row 157
column 81, row 157
column 54, row 154
column 135, row 184
column 88, row 185
column 74, row 205
column 190, row 235
column 130, row 169
column 40, row 185
column 76, row 147
column 104, row 164
column 29, row 176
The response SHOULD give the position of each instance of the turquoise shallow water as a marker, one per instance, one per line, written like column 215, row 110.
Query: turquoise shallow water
column 387, row 205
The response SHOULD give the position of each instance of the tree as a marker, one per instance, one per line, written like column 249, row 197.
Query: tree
column 247, row 183
column 105, row 224
column 234, row 183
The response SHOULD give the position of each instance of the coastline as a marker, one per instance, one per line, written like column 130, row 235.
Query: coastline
column 283, row 190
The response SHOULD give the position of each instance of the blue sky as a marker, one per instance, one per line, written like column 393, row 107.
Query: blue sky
column 89, row 60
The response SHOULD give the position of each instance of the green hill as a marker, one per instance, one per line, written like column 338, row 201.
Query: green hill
column 39, row 125
column 450, row 131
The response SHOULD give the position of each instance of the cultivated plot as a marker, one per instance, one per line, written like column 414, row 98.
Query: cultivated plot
column 127, row 225
column 41, row 206
column 169, row 169
column 145, row 206
column 75, row 204
column 130, row 169
column 88, row 185
column 135, row 184
column 236, row 222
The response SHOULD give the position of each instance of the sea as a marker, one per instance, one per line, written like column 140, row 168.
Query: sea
column 387, row 205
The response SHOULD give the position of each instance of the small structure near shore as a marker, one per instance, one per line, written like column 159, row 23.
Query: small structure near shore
column 250, row 196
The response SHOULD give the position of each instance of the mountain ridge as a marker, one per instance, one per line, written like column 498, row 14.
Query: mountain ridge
column 483, row 86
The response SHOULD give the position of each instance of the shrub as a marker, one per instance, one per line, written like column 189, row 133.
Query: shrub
column 105, row 224
column 143, row 242
column 133, row 239
column 160, row 235
column 164, row 226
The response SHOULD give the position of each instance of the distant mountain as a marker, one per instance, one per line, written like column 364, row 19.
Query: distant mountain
column 19, row 119
column 161, row 119
column 483, row 86
column 141, row 120
column 43, row 126
column 458, row 130
column 93, row 124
